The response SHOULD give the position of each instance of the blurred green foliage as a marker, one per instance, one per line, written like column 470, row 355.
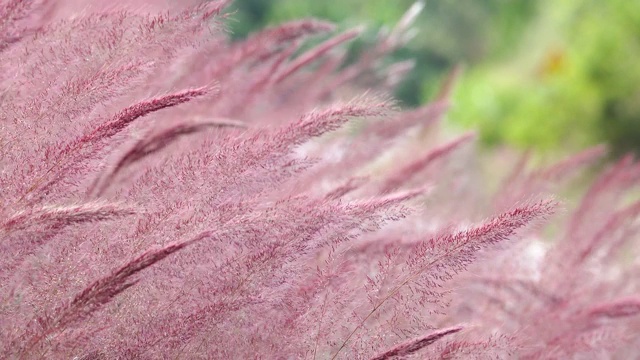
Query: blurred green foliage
column 573, row 80
column 546, row 74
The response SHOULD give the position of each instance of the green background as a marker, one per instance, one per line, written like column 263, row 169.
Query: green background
column 552, row 75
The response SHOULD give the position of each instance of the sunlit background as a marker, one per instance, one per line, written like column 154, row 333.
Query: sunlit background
column 550, row 75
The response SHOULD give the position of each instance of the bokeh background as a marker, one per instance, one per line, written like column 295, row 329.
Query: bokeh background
column 554, row 76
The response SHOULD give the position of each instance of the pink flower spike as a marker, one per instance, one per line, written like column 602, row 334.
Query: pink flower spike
column 414, row 345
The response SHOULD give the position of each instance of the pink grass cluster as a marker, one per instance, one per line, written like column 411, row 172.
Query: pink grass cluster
column 167, row 194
